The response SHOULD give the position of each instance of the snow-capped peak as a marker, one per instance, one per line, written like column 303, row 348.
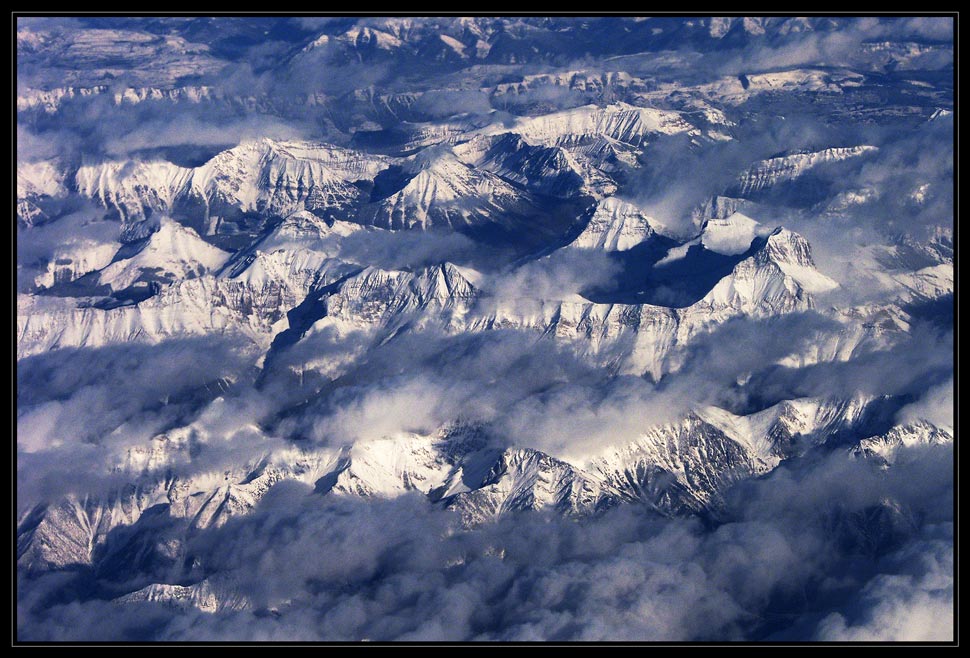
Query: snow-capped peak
column 619, row 121
column 779, row 278
column 615, row 226
column 278, row 176
column 444, row 191
column 793, row 255
column 174, row 252
column 917, row 433
column 304, row 228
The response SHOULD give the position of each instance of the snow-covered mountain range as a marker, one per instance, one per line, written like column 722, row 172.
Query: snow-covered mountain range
column 475, row 268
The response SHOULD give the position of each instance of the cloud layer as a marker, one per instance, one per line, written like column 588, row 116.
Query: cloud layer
column 315, row 568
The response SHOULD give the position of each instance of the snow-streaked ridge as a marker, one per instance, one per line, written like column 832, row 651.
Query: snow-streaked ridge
column 615, row 226
column 174, row 252
column 789, row 167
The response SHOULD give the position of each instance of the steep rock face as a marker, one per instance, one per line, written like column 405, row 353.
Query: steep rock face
column 637, row 338
column 300, row 255
column 439, row 295
column 615, row 226
column 681, row 468
column 81, row 530
column 792, row 427
column 50, row 101
column 173, row 253
column 199, row 289
column 232, row 194
column 464, row 474
column 209, row 595
column 53, row 536
column 282, row 177
column 422, row 134
column 779, row 278
column 757, row 286
column 367, row 36
column 718, row 207
column 551, row 171
column 767, row 173
column 278, row 178
column 304, row 230
column 793, row 255
column 445, row 192
column 524, row 479
column 354, row 43
column 133, row 189
column 265, row 176
column 187, row 308
column 70, row 531
column 886, row 446
column 620, row 122
column 816, row 419
column 594, row 84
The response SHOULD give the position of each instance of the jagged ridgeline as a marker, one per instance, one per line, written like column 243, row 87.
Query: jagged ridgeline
column 626, row 282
